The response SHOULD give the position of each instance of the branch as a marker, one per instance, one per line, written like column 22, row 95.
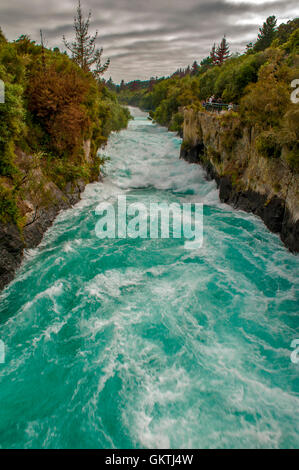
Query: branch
column 35, row 218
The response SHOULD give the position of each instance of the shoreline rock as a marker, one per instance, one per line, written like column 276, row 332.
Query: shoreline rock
column 245, row 180
column 13, row 242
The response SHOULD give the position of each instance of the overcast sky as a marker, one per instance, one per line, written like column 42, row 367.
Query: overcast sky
column 146, row 38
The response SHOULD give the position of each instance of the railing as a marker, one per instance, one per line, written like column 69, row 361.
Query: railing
column 217, row 107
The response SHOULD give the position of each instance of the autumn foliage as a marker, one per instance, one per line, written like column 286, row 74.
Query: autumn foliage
column 52, row 107
column 56, row 100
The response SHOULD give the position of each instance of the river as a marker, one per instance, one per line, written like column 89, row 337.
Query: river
column 132, row 343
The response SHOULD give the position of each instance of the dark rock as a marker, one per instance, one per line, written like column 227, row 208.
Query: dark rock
column 191, row 154
column 273, row 212
column 11, row 252
column 12, row 243
column 290, row 232
column 225, row 189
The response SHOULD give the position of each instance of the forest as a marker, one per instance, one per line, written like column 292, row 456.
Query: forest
column 54, row 103
column 258, row 83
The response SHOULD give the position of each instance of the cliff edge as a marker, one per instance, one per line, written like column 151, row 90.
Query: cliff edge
column 264, row 186
column 42, row 199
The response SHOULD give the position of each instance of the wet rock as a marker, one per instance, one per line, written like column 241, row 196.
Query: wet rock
column 247, row 181
column 11, row 252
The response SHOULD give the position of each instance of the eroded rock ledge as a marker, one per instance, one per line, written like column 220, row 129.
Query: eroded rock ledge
column 13, row 242
column 266, row 187
column 39, row 208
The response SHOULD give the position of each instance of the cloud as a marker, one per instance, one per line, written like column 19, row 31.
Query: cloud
column 147, row 38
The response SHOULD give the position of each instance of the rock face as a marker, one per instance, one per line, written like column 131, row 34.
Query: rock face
column 11, row 252
column 13, row 242
column 246, row 180
column 41, row 202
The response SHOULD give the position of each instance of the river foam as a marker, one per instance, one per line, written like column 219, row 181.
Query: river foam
column 142, row 343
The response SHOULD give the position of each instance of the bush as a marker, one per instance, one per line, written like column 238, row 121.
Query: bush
column 62, row 172
column 51, row 106
column 292, row 159
column 267, row 144
column 8, row 207
column 176, row 122
column 265, row 102
column 56, row 101
column 292, row 45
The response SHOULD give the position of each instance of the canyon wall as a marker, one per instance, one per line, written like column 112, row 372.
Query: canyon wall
column 41, row 201
column 246, row 180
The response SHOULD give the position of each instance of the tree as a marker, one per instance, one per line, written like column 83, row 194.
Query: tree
column 267, row 100
column 25, row 45
column 249, row 48
column 110, row 84
column 213, row 55
column 205, row 64
column 266, row 34
column 285, row 30
column 83, row 49
column 55, row 95
column 222, row 53
column 135, row 85
column 194, row 68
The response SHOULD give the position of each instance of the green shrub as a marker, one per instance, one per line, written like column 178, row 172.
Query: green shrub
column 8, row 207
column 51, row 106
column 62, row 172
column 267, row 144
column 176, row 122
column 292, row 159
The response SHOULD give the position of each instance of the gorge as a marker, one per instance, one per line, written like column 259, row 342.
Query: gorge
column 122, row 343
column 263, row 186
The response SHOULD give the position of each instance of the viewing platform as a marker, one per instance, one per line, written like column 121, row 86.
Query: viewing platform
column 218, row 107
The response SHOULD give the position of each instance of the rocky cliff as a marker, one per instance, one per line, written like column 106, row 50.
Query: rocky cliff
column 40, row 202
column 264, row 186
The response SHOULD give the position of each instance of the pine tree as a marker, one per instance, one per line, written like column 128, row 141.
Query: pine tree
column 266, row 34
column 213, row 55
column 195, row 68
column 222, row 53
column 83, row 49
column 249, row 47
column 206, row 63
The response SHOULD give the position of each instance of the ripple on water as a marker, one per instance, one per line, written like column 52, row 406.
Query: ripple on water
column 141, row 343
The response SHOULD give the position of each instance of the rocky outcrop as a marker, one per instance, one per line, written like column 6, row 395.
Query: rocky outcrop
column 41, row 202
column 246, row 180
column 11, row 252
column 13, row 241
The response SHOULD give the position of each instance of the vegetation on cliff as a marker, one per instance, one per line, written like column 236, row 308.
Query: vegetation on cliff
column 58, row 112
column 258, row 81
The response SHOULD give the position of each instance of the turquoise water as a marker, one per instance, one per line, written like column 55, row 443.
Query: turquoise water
column 142, row 343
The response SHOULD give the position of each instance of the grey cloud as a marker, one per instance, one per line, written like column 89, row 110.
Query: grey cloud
column 147, row 37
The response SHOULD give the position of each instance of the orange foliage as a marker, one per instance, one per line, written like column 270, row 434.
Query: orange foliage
column 56, row 99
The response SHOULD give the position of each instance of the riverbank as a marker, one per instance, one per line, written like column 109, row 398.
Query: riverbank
column 39, row 210
column 228, row 152
column 55, row 116
column 142, row 343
